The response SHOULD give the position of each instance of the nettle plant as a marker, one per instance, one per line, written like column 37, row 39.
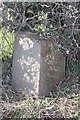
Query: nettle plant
column 59, row 21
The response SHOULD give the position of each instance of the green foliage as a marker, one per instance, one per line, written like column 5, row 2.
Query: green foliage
column 7, row 41
column 39, row 27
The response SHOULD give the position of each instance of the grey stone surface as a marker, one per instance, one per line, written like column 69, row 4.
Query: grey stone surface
column 26, row 63
column 52, row 68
column 37, row 66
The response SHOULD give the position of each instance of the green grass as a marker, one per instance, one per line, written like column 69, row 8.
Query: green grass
column 6, row 41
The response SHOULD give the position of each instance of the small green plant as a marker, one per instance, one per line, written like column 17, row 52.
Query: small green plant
column 7, row 42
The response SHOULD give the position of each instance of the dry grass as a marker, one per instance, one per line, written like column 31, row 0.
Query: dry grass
column 28, row 107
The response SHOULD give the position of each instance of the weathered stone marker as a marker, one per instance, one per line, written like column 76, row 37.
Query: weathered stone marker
column 37, row 66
